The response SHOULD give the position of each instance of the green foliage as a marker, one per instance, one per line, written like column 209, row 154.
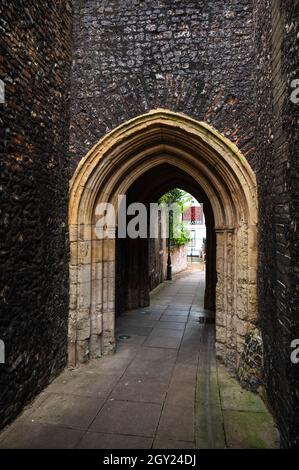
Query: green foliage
column 184, row 201
column 176, row 195
column 183, row 239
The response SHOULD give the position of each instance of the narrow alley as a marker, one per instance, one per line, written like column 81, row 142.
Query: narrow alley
column 162, row 389
column 149, row 228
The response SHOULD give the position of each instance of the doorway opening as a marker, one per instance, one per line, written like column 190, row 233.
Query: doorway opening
column 142, row 264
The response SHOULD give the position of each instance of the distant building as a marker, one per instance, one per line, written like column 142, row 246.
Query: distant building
column 194, row 221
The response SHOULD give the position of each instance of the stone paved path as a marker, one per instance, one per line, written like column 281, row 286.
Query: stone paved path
column 162, row 389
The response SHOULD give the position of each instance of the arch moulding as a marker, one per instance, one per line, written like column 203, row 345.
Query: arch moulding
column 108, row 170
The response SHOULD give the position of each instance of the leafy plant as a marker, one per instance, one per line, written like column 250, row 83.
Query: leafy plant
column 183, row 201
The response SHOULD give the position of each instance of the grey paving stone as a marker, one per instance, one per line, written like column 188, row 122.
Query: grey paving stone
column 111, row 361
column 128, row 347
column 140, row 320
column 148, row 368
column 177, row 423
column 41, row 436
column 95, row 440
column 156, row 354
column 163, row 342
column 140, row 388
column 171, row 324
column 181, row 394
column 188, row 355
column 185, row 373
column 174, row 318
column 194, row 325
column 67, row 410
column 166, row 333
column 134, row 330
column 175, row 313
column 75, row 383
column 164, row 443
column 123, row 417
column 113, row 365
column 175, row 306
column 154, row 307
column 192, row 336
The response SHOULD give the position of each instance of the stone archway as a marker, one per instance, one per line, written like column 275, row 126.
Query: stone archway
column 108, row 170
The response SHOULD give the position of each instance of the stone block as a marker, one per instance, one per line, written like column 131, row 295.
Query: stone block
column 82, row 352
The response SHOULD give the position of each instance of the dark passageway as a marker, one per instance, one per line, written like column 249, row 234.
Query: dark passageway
column 132, row 256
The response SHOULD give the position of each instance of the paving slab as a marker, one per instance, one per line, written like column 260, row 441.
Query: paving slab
column 41, row 436
column 166, row 333
column 185, row 373
column 75, row 383
column 185, row 308
column 176, row 423
column 174, row 318
column 171, row 324
column 154, row 308
column 67, row 410
column 134, row 330
column 95, row 440
column 147, row 368
column 123, row 417
column 140, row 320
column 141, row 389
column 192, row 335
column 129, row 347
column 162, row 342
column 175, row 313
column 181, row 394
column 164, row 443
column 188, row 355
column 156, row 354
column 113, row 365
column 176, row 306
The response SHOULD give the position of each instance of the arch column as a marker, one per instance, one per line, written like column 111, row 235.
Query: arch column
column 236, row 290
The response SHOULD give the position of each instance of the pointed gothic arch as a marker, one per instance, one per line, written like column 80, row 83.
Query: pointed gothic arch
column 108, row 170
